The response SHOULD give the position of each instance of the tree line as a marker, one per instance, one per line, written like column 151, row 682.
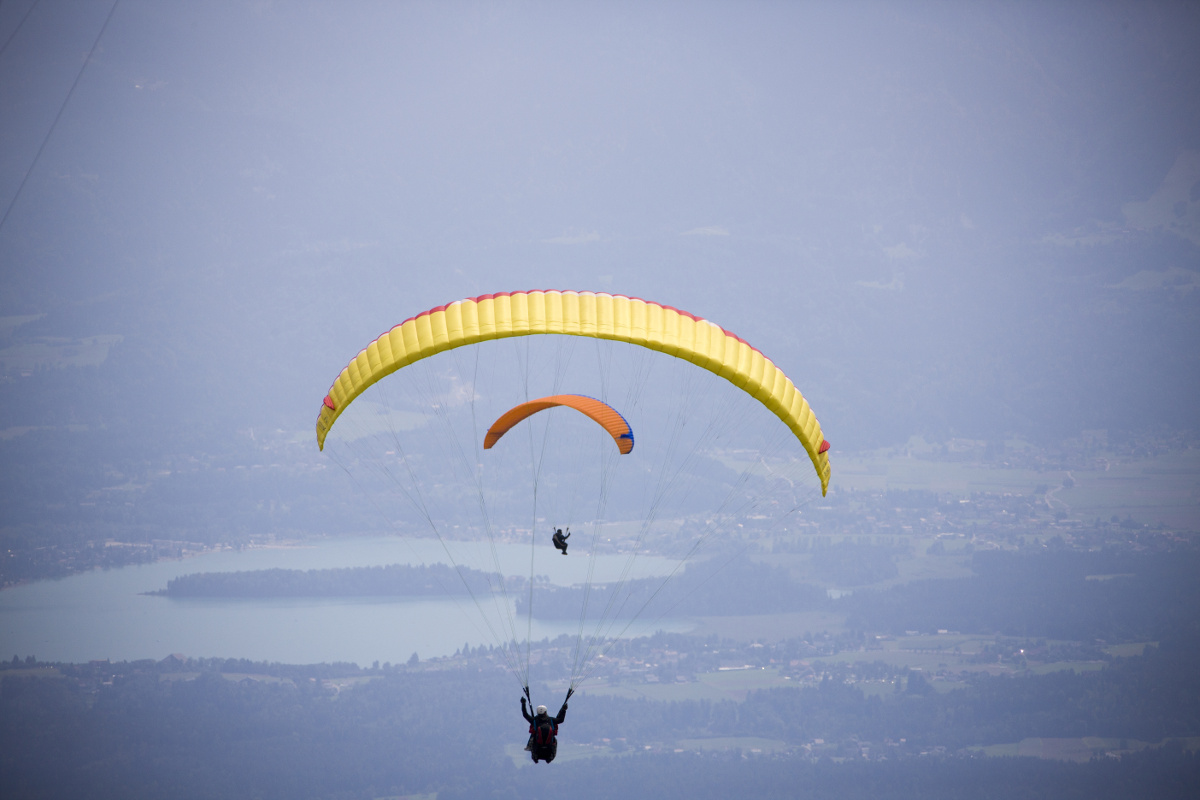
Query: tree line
column 379, row 581
column 203, row 729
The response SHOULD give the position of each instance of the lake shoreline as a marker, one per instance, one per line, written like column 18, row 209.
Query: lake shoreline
column 107, row 613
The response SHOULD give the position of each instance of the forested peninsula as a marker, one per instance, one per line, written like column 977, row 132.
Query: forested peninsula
column 1111, row 595
column 393, row 580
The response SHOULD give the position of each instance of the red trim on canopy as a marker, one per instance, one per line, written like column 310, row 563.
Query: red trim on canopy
column 482, row 297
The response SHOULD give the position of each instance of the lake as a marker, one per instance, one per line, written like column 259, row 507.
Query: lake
column 103, row 614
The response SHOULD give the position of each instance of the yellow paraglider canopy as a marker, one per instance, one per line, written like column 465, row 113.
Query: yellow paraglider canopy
column 592, row 314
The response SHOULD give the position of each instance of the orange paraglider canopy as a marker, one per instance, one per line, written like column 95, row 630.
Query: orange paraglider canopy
column 604, row 415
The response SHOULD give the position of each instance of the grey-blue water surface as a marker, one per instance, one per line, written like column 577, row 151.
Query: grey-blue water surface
column 104, row 613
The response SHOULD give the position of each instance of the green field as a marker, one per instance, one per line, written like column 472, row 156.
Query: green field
column 769, row 627
column 732, row 684
column 879, row 473
column 918, row 566
column 31, row 672
column 1152, row 490
column 1078, row 749
column 749, row 744
column 55, row 353
column 1129, row 649
column 1163, row 490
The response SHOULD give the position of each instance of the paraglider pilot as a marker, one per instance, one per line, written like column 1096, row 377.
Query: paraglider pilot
column 560, row 540
column 543, row 731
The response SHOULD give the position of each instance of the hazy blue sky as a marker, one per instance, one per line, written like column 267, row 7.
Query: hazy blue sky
column 953, row 219
column 942, row 218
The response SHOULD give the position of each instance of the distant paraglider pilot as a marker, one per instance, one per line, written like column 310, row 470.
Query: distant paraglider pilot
column 560, row 539
column 543, row 731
